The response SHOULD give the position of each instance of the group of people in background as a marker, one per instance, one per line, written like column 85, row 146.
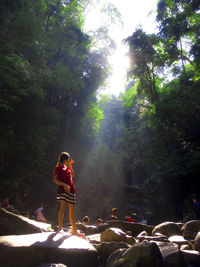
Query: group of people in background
column 114, row 216
column 66, row 195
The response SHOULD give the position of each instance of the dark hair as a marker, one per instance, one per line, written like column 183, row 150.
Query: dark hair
column 63, row 156
column 134, row 215
column 99, row 220
column 114, row 209
column 85, row 219
column 195, row 196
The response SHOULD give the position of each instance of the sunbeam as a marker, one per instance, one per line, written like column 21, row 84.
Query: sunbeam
column 137, row 13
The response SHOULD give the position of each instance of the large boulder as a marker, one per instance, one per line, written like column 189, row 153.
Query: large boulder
column 172, row 256
column 117, row 235
column 141, row 254
column 190, row 229
column 113, row 234
column 192, row 257
column 106, row 248
column 197, row 242
column 13, row 224
column 135, row 228
column 167, row 228
column 35, row 249
column 178, row 239
column 51, row 265
column 157, row 237
column 87, row 229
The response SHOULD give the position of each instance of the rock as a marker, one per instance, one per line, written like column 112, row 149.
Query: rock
column 94, row 239
column 167, row 228
column 180, row 224
column 35, row 249
column 158, row 237
column 178, row 239
column 153, row 238
column 130, row 240
column 192, row 257
column 117, row 235
column 172, row 256
column 142, row 254
column 190, row 229
column 143, row 233
column 113, row 234
column 197, row 242
column 102, row 227
column 107, row 248
column 135, row 228
column 115, row 259
column 128, row 233
column 186, row 247
column 11, row 224
column 51, row 265
column 87, row 229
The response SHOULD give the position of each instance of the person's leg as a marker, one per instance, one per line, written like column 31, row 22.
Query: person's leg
column 61, row 214
column 72, row 218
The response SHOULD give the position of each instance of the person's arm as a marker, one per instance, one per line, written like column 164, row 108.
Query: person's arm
column 56, row 181
column 70, row 167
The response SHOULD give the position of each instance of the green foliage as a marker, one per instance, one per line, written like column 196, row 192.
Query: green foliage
column 162, row 148
column 48, row 78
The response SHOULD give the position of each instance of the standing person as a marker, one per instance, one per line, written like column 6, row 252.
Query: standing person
column 196, row 206
column 39, row 214
column 63, row 177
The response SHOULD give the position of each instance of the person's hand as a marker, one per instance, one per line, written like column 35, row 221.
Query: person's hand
column 67, row 188
column 71, row 161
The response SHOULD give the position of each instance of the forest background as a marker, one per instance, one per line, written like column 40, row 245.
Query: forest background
column 145, row 141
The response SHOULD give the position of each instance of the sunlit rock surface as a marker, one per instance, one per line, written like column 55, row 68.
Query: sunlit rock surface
column 197, row 242
column 87, row 229
column 34, row 249
column 178, row 239
column 190, row 229
column 135, row 228
column 11, row 224
column 167, row 228
column 172, row 256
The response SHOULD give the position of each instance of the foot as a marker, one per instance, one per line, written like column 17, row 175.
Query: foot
column 78, row 234
column 60, row 231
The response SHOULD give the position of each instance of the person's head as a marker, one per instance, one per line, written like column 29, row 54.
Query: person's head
column 64, row 157
column 99, row 221
column 114, row 211
column 194, row 197
column 134, row 215
column 85, row 220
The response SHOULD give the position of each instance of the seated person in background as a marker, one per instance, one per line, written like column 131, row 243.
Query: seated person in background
column 5, row 203
column 39, row 214
column 113, row 218
column 98, row 221
column 114, row 212
column 132, row 218
column 85, row 220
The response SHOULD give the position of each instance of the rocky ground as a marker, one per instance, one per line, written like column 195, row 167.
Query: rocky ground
column 26, row 243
